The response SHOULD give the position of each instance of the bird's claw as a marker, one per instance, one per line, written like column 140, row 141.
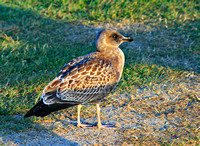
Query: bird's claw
column 84, row 126
column 106, row 127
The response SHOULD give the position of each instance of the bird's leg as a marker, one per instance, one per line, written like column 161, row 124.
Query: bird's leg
column 79, row 120
column 98, row 116
column 99, row 125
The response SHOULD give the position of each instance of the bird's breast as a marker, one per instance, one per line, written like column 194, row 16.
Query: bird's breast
column 120, row 61
column 117, row 60
column 115, row 57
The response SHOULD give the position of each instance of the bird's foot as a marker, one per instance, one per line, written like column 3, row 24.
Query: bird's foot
column 106, row 127
column 84, row 126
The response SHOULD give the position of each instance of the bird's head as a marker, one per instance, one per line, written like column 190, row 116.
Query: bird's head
column 110, row 39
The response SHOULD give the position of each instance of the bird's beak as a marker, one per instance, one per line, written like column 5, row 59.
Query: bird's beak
column 127, row 39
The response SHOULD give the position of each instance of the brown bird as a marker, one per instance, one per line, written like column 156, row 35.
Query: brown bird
column 86, row 79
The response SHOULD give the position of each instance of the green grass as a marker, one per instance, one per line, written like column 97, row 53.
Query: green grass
column 106, row 11
column 35, row 45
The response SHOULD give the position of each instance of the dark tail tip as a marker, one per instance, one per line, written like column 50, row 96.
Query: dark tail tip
column 34, row 110
column 42, row 110
column 29, row 114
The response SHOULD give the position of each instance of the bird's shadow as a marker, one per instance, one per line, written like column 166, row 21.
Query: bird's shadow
column 26, row 132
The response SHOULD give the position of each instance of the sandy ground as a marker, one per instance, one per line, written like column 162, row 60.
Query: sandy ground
column 150, row 116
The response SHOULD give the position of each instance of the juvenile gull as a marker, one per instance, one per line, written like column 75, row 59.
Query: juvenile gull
column 86, row 79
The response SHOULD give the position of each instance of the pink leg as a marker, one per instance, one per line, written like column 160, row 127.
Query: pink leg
column 78, row 119
column 99, row 125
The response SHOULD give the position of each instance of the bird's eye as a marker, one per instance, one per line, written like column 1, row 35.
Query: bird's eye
column 115, row 36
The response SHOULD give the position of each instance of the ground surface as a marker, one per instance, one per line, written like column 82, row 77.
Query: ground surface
column 151, row 116
column 157, row 100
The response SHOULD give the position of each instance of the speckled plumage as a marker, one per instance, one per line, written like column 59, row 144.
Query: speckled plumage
column 88, row 80
column 85, row 79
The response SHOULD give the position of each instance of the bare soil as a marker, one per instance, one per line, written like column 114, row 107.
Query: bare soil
column 153, row 115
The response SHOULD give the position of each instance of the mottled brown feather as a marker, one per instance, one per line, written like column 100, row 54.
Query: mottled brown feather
column 72, row 83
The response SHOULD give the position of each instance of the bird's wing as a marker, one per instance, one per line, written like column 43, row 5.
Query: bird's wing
column 81, row 81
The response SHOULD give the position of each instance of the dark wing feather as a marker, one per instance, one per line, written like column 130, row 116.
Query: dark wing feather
column 70, row 64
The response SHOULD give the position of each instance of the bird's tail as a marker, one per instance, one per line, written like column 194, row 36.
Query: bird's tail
column 42, row 110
